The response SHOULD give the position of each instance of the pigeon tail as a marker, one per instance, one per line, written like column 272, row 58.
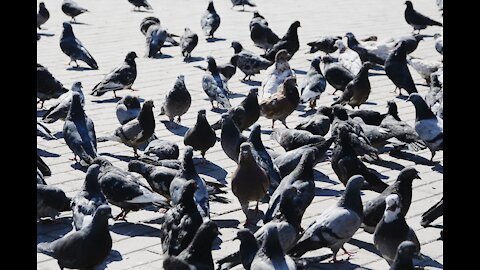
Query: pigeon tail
column 112, row 138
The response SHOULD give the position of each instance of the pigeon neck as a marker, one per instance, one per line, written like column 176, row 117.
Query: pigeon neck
column 247, row 159
column 200, row 247
column 180, row 86
column 422, row 111
column 271, row 245
column 316, row 67
column 351, row 200
column 238, row 48
column 352, row 41
column 91, row 184
column 188, row 168
column 201, row 121
column 256, row 140
column 146, row 118
column 304, row 170
column 394, row 113
column 248, row 249
column 212, row 67
column 99, row 224
column 291, row 93
column 363, row 73
column 229, row 129
column 292, row 33
column 76, row 110
column 250, row 101
column 131, row 62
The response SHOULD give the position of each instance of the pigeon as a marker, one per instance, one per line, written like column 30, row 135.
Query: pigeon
column 127, row 109
column 213, row 85
column 249, row 181
column 397, row 70
column 302, row 179
column 74, row 49
column 374, row 208
column 424, row 67
column 177, row 100
column 313, row 85
column 140, row 3
column 376, row 52
column 427, row 125
column 40, row 177
column 43, row 167
column 276, row 74
column 291, row 139
column 288, row 42
column 242, row 3
column 124, row 190
column 231, row 138
column 378, row 136
column 432, row 213
column 88, row 199
column 181, row 222
column 188, row 172
column 47, row 86
column 188, row 42
column 162, row 149
column 318, row 123
column 195, row 255
column 438, row 43
column 336, row 225
column 288, row 161
column 44, row 132
column 226, row 70
column 210, row 21
column 245, row 114
column 154, row 40
column 411, row 42
column 261, row 35
column 201, row 136
column 147, row 22
column 345, row 163
column 270, row 255
column 325, row 44
column 434, row 97
column 263, row 158
column 248, row 62
column 60, row 109
column 348, row 57
column 369, row 117
column 121, row 77
column 43, row 15
column 336, row 74
column 404, row 256
column 440, row 5
column 392, row 230
column 357, row 90
column 158, row 177
column 83, row 249
column 79, row 132
column 72, row 9
column 50, row 201
column 137, row 131
column 282, row 103
column 248, row 247
column 417, row 20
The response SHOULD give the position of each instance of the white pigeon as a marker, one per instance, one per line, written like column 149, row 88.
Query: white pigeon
column 276, row 74
column 424, row 67
column 348, row 57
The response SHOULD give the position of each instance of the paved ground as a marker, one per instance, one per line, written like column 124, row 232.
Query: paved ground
column 111, row 29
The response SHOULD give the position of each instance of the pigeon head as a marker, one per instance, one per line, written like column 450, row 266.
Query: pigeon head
column 245, row 151
column 409, row 4
column 188, row 153
column 257, row 15
column 76, row 107
column 212, row 64
column 418, row 37
column 295, row 24
column 131, row 56
column 392, row 209
column 328, row 59
column 316, row 62
column 77, row 87
column 271, row 244
column 67, row 27
column 288, row 207
column 325, row 110
column 202, row 112
column 188, row 189
column 103, row 213
column 282, row 56
column 187, row 30
column 41, row 5
column 210, row 7
column 340, row 112
column 181, row 78
column 237, row 47
column 351, row 197
column 406, row 250
column 422, row 110
column 368, row 65
column 408, row 174
column 131, row 102
column 188, row 170
column 148, row 105
column 253, row 91
column 207, row 232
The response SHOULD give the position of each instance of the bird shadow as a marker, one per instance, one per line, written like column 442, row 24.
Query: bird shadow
column 365, row 245
column 389, row 164
column 44, row 153
column 438, row 168
column 252, row 83
column 343, row 264
column 422, row 84
column 193, row 59
column 41, row 112
column 119, row 157
column 162, row 56
column 377, row 68
column 427, row 261
column 373, row 74
column 218, row 110
column 78, row 166
column 379, row 175
column 134, row 229
column 46, row 34
column 79, row 23
column 236, row 95
column 142, row 11
column 402, row 97
column 327, row 192
column 370, row 103
column 58, row 134
column 411, row 157
column 227, row 223
column 114, row 256
column 175, row 128
column 266, row 131
column 306, row 113
column 79, row 68
column 436, row 226
column 217, row 243
column 213, row 170
column 46, row 226
column 309, row 262
column 299, row 71
column 319, row 176
column 209, row 40
column 109, row 100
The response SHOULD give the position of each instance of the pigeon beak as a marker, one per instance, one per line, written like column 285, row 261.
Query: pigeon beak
column 418, row 177
column 219, row 233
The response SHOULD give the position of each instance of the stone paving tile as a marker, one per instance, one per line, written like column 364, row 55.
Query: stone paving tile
column 111, row 29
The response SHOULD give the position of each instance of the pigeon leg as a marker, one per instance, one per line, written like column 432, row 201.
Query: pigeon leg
column 244, row 78
column 135, row 152
column 213, row 107
column 256, row 208
column 41, row 104
column 273, row 123
column 433, row 154
column 114, row 94
column 119, row 216
column 334, row 92
column 203, row 157
column 76, row 63
column 179, row 120
column 284, row 122
column 348, row 253
column 74, row 158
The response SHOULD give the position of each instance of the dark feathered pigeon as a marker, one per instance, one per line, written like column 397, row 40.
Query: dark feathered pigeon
column 357, row 90
column 270, row 255
column 43, row 167
column 79, row 132
column 318, row 123
column 324, row 44
column 417, row 20
column 336, row 225
column 213, row 85
column 122, row 77
column 137, row 131
column 84, row 249
column 376, row 53
column 248, row 62
column 201, row 136
column 158, row 177
column 404, row 257
column 231, row 137
column 154, row 40
column 313, row 85
column 72, row 9
column 162, row 149
column 248, row 247
column 261, row 35
column 188, row 42
column 242, row 3
column 369, row 117
column 177, row 100
column 74, row 49
column 378, row 136
column 336, row 74
column 47, row 86
column 140, row 3
column 210, row 21
column 44, row 132
column 245, row 114
column 288, row 42
column 61, row 108
column 43, row 15
column 291, row 139
column 397, row 70
column 40, row 177
column 88, row 199
column 127, row 109
column 147, row 22
column 50, row 201
column 432, row 213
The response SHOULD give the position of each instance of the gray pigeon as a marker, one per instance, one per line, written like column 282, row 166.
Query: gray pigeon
column 158, row 177
column 83, row 249
column 50, row 201
column 188, row 42
column 438, row 43
column 43, row 15
column 434, row 97
column 376, row 52
column 44, row 132
column 397, row 70
column 122, row 77
column 276, row 74
column 318, row 123
column 137, row 131
column 288, row 42
column 74, row 49
column 72, row 9
column 270, row 255
column 40, row 177
column 417, row 20
column 79, row 132
column 325, row 44
column 336, row 74
column 231, row 138
column 248, row 247
column 127, row 109
column 162, row 149
column 432, row 213
column 88, row 199
column 154, row 40
column 248, row 62
column 140, row 3
column 313, row 85
column 245, row 114
column 259, row 19
column 261, row 35
column 291, row 139
column 61, row 108
column 336, row 225
column 201, row 136
column 214, row 86
column 404, row 257
column 392, row 230
column 124, row 190
column 242, row 3
column 358, row 89
column 177, row 100
column 147, row 22
column 181, row 222
column 427, row 125
column 47, row 86
column 210, row 21
column 424, row 67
